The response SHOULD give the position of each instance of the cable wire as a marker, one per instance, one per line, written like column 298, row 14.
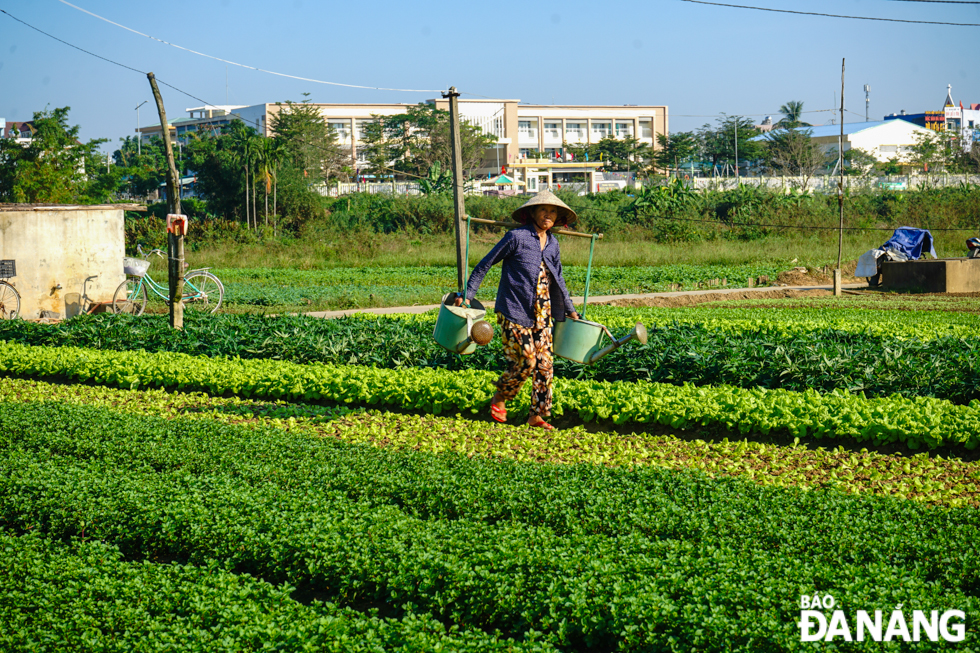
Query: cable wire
column 233, row 63
column 811, row 13
column 757, row 224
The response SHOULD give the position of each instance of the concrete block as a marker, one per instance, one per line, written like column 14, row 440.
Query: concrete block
column 953, row 275
column 62, row 252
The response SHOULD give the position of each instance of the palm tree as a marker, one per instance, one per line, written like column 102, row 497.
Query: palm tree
column 792, row 112
column 262, row 168
column 275, row 155
column 245, row 146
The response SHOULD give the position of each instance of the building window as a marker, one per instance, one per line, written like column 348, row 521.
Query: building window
column 360, row 124
column 600, row 129
column 527, row 129
column 552, row 130
column 624, row 129
column 552, row 152
column 888, row 148
column 575, row 130
column 646, row 130
column 525, row 152
column 342, row 129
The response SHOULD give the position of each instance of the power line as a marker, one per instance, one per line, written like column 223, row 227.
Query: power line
column 811, row 13
column 240, row 65
column 98, row 56
column 945, row 2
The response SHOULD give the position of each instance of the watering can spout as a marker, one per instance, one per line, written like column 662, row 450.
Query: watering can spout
column 638, row 333
column 579, row 340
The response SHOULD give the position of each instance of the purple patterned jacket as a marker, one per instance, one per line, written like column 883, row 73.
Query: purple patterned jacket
column 521, row 253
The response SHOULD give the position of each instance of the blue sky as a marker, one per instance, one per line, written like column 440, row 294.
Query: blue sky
column 699, row 60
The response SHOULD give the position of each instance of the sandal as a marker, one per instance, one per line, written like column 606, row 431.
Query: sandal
column 498, row 414
column 542, row 425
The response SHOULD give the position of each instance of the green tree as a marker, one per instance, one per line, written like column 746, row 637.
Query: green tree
column 792, row 115
column 733, row 133
column 675, row 149
column 309, row 141
column 620, row 154
column 144, row 166
column 52, row 167
column 793, row 153
column 930, row 152
column 377, row 148
column 218, row 161
column 244, row 143
column 412, row 142
column 859, row 162
column 218, row 172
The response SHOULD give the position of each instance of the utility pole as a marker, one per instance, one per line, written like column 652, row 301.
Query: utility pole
column 175, row 242
column 460, row 209
column 840, row 188
column 139, row 139
column 867, row 101
column 736, row 149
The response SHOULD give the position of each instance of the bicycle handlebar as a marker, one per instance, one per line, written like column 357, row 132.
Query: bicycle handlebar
column 146, row 255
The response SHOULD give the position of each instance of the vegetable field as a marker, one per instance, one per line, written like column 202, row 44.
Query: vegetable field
column 276, row 290
column 292, row 484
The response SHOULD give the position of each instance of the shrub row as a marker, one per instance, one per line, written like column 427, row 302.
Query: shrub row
column 85, row 596
column 919, row 422
column 761, row 354
column 675, row 213
column 591, row 557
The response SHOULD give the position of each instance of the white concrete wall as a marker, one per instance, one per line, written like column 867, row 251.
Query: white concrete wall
column 63, row 247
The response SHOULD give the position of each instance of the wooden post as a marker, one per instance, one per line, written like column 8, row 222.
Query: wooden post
column 175, row 243
column 459, row 208
column 840, row 188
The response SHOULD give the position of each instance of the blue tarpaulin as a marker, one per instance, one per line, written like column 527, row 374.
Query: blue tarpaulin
column 911, row 242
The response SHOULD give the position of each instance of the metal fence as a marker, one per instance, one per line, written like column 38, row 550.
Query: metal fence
column 387, row 187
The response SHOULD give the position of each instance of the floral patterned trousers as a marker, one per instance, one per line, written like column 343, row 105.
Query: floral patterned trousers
column 529, row 352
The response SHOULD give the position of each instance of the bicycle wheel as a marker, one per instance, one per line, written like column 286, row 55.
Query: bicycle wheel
column 203, row 292
column 9, row 301
column 130, row 297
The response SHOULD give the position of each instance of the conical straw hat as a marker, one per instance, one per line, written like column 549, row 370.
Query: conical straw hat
column 566, row 216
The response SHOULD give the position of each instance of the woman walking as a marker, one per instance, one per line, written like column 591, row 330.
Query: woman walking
column 531, row 295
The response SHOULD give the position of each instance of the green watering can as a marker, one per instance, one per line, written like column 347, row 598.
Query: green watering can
column 461, row 328
column 580, row 340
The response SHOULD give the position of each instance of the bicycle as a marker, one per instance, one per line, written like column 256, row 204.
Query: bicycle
column 9, row 297
column 203, row 292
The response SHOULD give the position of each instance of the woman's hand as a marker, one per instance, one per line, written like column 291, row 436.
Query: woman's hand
column 574, row 315
column 458, row 301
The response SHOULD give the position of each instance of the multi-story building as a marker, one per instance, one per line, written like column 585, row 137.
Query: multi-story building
column 199, row 118
column 22, row 132
column 520, row 129
column 952, row 119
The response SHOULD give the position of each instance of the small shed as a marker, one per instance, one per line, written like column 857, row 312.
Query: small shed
column 66, row 256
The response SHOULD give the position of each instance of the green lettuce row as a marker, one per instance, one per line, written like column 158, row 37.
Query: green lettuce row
column 921, row 477
column 627, row 560
column 86, row 597
column 919, row 422
column 902, row 324
column 944, row 367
